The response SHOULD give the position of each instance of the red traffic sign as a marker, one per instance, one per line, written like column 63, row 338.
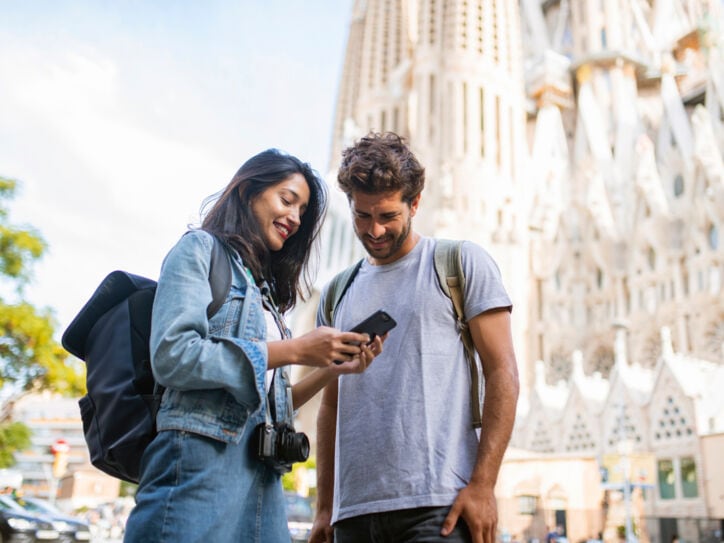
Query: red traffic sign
column 60, row 446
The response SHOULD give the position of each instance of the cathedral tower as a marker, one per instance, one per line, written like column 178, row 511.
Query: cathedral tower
column 447, row 75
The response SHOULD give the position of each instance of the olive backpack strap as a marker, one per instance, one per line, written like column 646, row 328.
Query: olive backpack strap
column 449, row 270
column 336, row 288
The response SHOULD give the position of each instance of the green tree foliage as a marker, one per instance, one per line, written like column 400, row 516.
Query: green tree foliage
column 30, row 359
column 18, row 246
column 291, row 480
column 14, row 436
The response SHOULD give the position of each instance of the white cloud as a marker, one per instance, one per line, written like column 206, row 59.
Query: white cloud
column 119, row 120
column 138, row 190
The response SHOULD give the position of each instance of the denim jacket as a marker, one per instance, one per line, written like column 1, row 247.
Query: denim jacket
column 213, row 369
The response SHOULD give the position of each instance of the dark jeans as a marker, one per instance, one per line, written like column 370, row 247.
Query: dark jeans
column 419, row 525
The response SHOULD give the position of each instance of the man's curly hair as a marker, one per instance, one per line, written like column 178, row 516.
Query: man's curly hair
column 381, row 162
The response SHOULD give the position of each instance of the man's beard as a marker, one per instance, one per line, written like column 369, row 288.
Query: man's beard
column 397, row 242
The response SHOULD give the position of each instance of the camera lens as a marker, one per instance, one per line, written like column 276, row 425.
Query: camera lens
column 294, row 447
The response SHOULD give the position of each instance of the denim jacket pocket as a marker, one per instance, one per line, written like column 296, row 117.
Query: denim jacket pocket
column 224, row 321
column 213, row 413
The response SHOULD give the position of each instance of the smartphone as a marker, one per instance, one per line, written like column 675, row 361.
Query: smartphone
column 377, row 324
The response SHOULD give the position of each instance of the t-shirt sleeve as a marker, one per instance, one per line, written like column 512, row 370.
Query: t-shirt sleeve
column 321, row 318
column 484, row 289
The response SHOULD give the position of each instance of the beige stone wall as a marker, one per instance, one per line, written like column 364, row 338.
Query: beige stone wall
column 567, row 483
column 712, row 452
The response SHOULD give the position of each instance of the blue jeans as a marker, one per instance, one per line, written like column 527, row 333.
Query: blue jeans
column 200, row 490
column 422, row 524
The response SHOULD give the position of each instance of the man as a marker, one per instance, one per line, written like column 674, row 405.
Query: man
column 398, row 458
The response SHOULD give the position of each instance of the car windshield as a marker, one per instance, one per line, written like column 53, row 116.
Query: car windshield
column 38, row 506
column 9, row 504
column 30, row 506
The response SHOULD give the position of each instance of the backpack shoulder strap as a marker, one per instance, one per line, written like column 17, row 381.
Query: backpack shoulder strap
column 337, row 288
column 219, row 276
column 449, row 270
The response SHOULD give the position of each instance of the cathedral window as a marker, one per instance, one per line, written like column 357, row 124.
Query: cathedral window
column 601, row 361
column 714, row 337
column 580, row 438
column 624, row 428
column 673, row 423
column 527, row 505
column 651, row 258
column 689, row 484
column 559, row 367
column 432, row 19
column 667, row 490
column 480, row 26
column 713, row 237
column 464, row 26
column 678, row 185
column 541, row 438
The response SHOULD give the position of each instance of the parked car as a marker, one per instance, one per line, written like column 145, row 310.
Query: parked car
column 71, row 529
column 20, row 526
column 300, row 515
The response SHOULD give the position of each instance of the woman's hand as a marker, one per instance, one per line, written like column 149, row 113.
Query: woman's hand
column 321, row 377
column 319, row 348
column 360, row 363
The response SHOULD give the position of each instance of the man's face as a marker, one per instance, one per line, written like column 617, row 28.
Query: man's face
column 383, row 223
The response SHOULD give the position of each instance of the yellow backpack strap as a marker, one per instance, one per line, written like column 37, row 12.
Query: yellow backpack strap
column 449, row 269
column 336, row 288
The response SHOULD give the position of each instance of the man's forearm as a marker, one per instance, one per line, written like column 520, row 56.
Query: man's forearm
column 326, row 434
column 499, row 407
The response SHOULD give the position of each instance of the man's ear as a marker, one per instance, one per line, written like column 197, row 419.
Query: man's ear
column 414, row 203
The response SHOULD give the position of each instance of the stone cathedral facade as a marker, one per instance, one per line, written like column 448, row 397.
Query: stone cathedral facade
column 580, row 142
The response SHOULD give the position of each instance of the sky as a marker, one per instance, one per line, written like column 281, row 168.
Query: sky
column 118, row 118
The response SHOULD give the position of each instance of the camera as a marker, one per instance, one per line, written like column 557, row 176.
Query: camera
column 279, row 446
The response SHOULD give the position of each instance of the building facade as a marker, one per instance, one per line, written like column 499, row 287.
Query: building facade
column 581, row 144
column 76, row 483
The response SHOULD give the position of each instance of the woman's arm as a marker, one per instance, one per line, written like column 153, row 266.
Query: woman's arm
column 320, row 347
column 305, row 389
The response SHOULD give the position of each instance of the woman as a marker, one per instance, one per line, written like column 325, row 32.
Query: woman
column 203, row 477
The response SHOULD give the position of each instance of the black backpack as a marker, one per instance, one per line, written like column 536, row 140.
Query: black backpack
column 111, row 334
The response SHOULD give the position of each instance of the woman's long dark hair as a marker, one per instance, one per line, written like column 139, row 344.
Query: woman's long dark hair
column 231, row 219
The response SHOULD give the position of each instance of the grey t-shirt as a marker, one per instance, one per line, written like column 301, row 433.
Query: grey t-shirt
column 404, row 429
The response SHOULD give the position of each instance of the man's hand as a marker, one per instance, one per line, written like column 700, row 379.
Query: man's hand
column 479, row 510
column 322, row 531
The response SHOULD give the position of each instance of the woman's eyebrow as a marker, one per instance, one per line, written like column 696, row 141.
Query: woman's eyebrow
column 294, row 194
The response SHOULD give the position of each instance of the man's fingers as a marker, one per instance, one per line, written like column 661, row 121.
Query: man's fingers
column 450, row 520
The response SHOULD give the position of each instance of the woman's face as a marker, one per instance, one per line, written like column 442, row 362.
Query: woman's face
column 279, row 210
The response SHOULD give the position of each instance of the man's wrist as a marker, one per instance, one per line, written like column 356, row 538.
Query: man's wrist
column 324, row 506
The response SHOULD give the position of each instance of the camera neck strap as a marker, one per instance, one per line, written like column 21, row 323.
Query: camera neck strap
column 271, row 396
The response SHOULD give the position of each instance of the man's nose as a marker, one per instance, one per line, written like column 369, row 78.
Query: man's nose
column 376, row 230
